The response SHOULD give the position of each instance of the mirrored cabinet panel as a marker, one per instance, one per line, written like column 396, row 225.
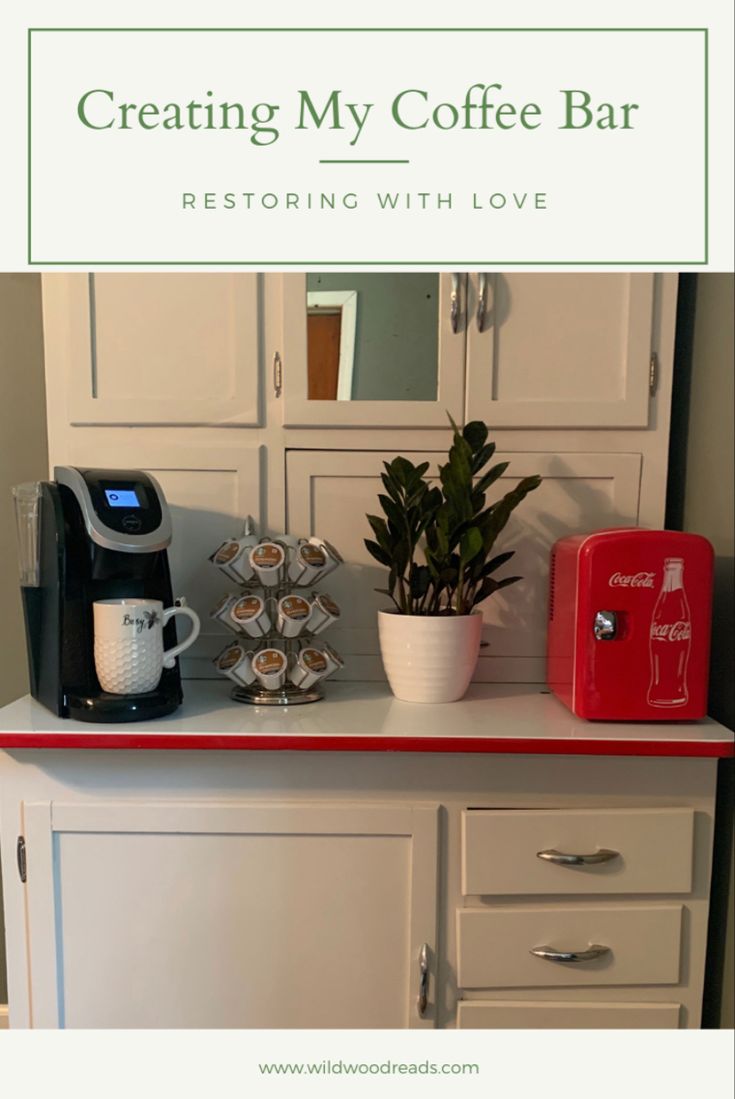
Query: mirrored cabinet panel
column 373, row 349
column 372, row 337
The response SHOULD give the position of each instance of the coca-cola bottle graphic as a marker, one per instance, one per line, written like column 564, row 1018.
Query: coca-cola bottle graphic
column 670, row 639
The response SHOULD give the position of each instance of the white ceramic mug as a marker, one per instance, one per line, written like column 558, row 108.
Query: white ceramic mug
column 128, row 643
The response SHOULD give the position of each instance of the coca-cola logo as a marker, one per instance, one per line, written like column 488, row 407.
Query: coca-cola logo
column 635, row 580
column 671, row 631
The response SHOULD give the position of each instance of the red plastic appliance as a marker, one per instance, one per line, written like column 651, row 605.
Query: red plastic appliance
column 629, row 624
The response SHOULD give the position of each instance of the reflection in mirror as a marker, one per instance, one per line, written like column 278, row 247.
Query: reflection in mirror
column 372, row 337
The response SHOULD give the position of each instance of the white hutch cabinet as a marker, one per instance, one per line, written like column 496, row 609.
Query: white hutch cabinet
column 203, row 379
column 328, row 885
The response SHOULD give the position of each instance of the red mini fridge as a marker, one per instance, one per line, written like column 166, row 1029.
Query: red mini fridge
column 629, row 624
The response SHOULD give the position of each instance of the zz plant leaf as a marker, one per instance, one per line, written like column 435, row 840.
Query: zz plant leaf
column 450, row 525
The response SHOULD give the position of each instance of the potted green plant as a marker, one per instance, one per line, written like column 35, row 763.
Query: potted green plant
column 437, row 543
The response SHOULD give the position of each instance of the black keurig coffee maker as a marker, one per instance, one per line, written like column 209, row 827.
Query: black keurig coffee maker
column 91, row 534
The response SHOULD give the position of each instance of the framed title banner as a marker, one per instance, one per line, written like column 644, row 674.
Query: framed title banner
column 309, row 147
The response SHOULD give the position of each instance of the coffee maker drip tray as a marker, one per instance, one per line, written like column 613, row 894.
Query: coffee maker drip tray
column 103, row 708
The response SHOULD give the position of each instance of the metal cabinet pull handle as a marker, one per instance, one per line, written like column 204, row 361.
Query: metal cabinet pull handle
column 423, row 997
column 454, row 304
column 562, row 858
column 481, row 300
column 605, row 626
column 594, row 950
column 277, row 374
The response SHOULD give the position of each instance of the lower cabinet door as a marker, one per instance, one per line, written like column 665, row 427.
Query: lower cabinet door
column 198, row 915
column 556, row 1015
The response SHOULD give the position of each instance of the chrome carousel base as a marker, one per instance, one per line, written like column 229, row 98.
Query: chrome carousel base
column 286, row 696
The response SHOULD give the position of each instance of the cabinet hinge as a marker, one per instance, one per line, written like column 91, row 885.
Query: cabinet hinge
column 652, row 373
column 21, row 856
column 277, row 374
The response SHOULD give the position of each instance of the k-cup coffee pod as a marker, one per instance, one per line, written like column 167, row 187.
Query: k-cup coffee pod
column 293, row 614
column 236, row 663
column 324, row 611
column 333, row 659
column 249, row 614
column 333, row 556
column 308, row 562
column 233, row 558
column 269, row 666
column 267, row 560
column 309, row 668
column 221, row 613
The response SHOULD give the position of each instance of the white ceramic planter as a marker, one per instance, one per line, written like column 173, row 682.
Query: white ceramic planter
column 429, row 659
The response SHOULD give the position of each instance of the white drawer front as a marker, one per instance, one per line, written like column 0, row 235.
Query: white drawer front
column 556, row 1015
column 500, row 851
column 494, row 945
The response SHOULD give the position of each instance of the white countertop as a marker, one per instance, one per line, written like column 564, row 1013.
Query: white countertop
column 365, row 717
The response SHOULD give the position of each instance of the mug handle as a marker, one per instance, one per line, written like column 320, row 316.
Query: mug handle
column 169, row 656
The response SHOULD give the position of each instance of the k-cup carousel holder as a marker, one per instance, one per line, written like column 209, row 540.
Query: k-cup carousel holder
column 277, row 656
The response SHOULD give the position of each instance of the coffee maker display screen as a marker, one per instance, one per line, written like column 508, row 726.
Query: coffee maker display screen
column 122, row 498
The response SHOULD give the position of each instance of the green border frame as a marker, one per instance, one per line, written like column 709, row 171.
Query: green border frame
column 303, row 264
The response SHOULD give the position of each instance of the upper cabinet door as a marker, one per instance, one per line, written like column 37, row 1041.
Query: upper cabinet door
column 560, row 350
column 372, row 350
column 150, row 348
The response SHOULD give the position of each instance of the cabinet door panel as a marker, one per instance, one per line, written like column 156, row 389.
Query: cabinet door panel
column 300, row 411
column 562, row 350
column 194, row 915
column 158, row 348
column 330, row 493
column 209, row 490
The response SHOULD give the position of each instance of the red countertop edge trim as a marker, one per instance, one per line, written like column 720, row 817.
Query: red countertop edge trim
column 285, row 743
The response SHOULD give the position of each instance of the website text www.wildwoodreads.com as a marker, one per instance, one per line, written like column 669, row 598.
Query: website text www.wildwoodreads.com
column 368, row 1068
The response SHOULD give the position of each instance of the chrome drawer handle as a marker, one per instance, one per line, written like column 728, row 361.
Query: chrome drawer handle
column 561, row 858
column 423, row 997
column 594, row 950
